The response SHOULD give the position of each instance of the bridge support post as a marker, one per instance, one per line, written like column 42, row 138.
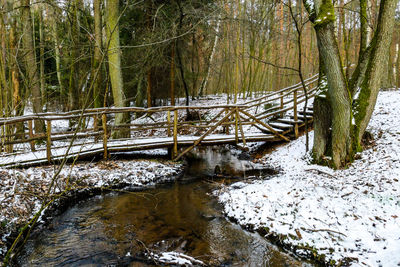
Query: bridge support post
column 175, row 148
column 168, row 123
column 96, row 127
column 236, row 126
column 48, row 140
column 296, row 125
column 105, row 135
column 241, row 128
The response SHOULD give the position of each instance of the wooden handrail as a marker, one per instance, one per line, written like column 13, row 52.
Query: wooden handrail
column 229, row 116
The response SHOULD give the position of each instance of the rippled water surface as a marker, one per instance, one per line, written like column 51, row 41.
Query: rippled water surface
column 119, row 228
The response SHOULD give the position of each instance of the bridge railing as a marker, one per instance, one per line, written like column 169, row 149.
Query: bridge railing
column 93, row 128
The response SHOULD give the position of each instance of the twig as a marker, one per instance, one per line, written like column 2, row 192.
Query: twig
column 324, row 230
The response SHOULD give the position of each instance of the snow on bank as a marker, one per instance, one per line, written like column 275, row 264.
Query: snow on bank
column 21, row 190
column 346, row 214
column 173, row 257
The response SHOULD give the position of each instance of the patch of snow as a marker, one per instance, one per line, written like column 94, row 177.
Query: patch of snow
column 173, row 257
column 352, row 213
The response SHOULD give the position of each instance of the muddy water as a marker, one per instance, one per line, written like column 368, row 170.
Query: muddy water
column 119, row 228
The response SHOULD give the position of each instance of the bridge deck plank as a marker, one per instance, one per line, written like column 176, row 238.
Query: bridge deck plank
column 92, row 149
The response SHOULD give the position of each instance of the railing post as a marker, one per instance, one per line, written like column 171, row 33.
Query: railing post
column 48, row 140
column 105, row 135
column 32, row 142
column 296, row 126
column 281, row 106
column 169, row 123
column 95, row 126
column 175, row 149
column 241, row 128
column 3, row 137
column 236, row 126
column 227, row 125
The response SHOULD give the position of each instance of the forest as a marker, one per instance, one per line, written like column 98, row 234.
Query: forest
column 62, row 55
column 287, row 110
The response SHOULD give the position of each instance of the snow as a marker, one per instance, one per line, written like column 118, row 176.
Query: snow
column 178, row 258
column 351, row 214
column 21, row 190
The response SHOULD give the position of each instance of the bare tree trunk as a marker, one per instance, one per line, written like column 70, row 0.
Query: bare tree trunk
column 398, row 65
column 363, row 28
column 172, row 75
column 33, row 81
column 114, row 64
column 179, row 55
column 73, row 90
column 371, row 84
column 210, row 58
column 345, row 139
column 98, row 91
column 16, row 102
column 41, row 58
column 337, row 94
column 54, row 33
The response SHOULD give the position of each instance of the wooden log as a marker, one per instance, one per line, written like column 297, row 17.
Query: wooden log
column 215, row 117
column 296, row 125
column 241, row 128
column 205, row 134
column 236, row 126
column 175, row 148
column 265, row 125
column 310, row 80
column 96, row 126
column 169, row 123
column 31, row 136
column 48, row 141
column 105, row 135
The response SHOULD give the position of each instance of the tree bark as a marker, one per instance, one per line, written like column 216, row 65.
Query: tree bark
column 363, row 28
column 114, row 59
column 41, row 58
column 172, row 75
column 322, row 124
column 73, row 90
column 54, row 32
column 33, row 81
column 337, row 92
column 98, row 91
column 365, row 103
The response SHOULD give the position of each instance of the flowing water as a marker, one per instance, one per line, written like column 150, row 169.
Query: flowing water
column 120, row 229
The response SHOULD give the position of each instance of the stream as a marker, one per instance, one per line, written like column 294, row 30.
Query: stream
column 125, row 229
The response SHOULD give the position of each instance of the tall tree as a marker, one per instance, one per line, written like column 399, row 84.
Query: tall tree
column 32, row 73
column 114, row 64
column 73, row 89
column 97, row 59
column 52, row 15
column 348, row 98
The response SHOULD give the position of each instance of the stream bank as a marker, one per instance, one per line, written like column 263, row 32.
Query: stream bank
column 164, row 223
column 340, row 217
column 22, row 190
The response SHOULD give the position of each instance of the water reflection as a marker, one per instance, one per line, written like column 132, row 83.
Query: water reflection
column 120, row 228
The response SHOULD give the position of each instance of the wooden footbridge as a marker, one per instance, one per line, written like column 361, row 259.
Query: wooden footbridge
column 276, row 116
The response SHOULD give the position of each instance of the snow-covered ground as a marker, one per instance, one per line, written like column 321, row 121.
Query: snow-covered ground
column 345, row 214
column 21, row 191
